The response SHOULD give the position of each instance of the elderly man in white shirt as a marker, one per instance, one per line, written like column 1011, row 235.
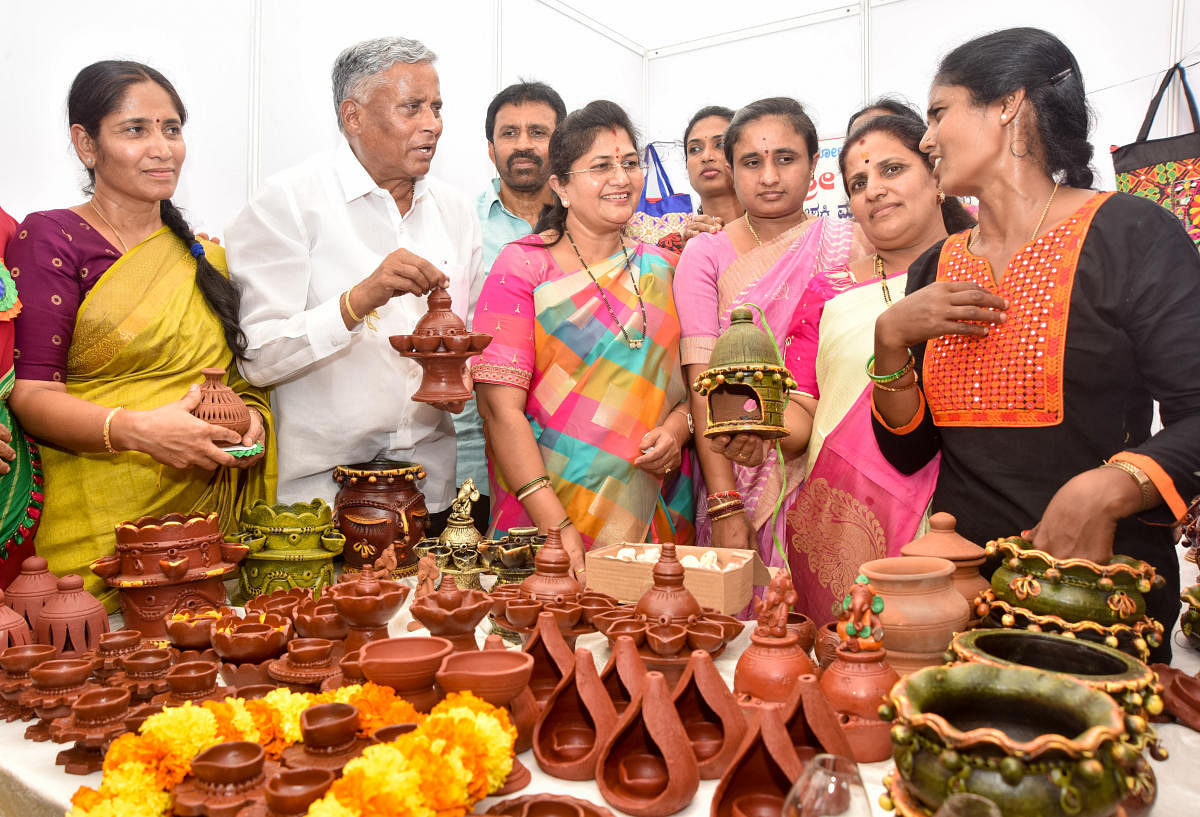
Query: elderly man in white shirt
column 334, row 255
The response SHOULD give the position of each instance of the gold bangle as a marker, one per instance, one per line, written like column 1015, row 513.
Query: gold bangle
column 725, row 515
column 566, row 523
column 108, row 446
column 1144, row 483
column 912, row 384
column 350, row 311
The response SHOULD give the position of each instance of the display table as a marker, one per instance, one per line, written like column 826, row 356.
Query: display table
column 32, row 786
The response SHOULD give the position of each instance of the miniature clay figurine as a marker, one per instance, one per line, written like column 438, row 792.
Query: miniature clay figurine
column 427, row 576
column 772, row 609
column 860, row 627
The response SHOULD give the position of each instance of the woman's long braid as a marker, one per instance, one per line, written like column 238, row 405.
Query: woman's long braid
column 220, row 293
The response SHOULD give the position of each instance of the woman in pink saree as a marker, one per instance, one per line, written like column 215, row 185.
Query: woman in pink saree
column 765, row 258
column 854, row 506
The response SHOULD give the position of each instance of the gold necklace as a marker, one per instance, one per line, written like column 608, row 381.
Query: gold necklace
column 1045, row 210
column 753, row 232
column 887, row 294
column 634, row 343
column 124, row 249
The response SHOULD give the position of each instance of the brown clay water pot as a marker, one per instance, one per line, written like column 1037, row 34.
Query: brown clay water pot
column 921, row 609
column 945, row 542
column 856, row 684
column 769, row 667
column 496, row 676
column 407, row 665
column 290, row 792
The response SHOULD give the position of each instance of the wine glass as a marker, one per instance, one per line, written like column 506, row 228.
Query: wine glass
column 965, row 804
column 829, row 786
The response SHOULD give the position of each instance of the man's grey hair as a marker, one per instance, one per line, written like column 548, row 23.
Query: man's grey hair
column 355, row 70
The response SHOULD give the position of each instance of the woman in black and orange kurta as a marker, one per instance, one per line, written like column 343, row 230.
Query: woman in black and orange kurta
column 1043, row 337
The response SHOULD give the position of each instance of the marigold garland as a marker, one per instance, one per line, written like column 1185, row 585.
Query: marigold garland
column 461, row 751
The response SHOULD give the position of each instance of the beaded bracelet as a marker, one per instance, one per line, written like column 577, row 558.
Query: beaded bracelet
column 724, row 495
column 912, row 384
column 896, row 375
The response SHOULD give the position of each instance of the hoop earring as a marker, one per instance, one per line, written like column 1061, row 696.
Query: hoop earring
column 1012, row 148
column 941, row 197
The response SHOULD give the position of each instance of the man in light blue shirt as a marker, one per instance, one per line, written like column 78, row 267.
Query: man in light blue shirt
column 518, row 125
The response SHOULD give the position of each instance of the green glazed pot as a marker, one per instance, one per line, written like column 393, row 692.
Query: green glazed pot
column 291, row 546
column 1035, row 743
column 1189, row 621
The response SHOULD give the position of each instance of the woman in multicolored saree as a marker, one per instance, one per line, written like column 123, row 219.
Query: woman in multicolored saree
column 765, row 258
column 584, row 406
column 122, row 308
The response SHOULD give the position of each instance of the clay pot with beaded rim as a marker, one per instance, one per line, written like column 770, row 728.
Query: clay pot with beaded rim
column 220, row 405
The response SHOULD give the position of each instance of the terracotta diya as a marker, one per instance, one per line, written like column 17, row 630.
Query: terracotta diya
column 763, row 769
column 166, row 564
column 367, row 604
column 194, row 681
column 290, row 792
column 407, row 665
column 453, row 614
column 330, row 738
column 95, row 720
column 225, row 779
column 109, row 654
column 577, row 720
column 57, row 684
column 440, row 344
column 308, row 662
column 144, row 673
column 17, row 661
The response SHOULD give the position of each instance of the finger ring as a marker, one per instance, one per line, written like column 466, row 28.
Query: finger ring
column 666, row 471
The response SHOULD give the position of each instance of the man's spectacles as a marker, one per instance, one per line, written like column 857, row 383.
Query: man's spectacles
column 606, row 170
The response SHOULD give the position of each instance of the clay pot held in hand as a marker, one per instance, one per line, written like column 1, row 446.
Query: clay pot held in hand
column 921, row 611
column 220, row 405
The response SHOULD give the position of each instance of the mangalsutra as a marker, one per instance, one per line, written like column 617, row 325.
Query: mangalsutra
column 124, row 248
column 1045, row 210
column 634, row 343
column 887, row 294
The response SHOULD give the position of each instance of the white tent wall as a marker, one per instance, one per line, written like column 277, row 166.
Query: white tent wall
column 255, row 73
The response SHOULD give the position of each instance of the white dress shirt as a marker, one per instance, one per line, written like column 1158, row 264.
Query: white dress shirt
column 342, row 396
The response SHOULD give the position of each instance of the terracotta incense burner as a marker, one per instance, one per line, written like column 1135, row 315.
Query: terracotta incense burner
column 30, row 590
column 291, row 546
column 440, row 344
column 378, row 504
column 167, row 564
column 220, row 405
column 1097, row 602
column 14, row 629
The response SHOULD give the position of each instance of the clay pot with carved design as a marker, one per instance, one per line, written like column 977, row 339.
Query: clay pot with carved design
column 30, row 590
column 220, row 405
column 72, row 619
column 378, row 503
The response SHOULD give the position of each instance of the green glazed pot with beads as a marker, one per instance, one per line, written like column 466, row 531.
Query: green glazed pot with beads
column 291, row 546
column 1189, row 621
column 1035, row 743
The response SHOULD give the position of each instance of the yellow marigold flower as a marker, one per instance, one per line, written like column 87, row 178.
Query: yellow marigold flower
column 485, row 738
column 384, row 782
column 288, row 705
column 328, row 806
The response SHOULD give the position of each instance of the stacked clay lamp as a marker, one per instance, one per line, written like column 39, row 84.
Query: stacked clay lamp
column 440, row 344
column 163, row 565
column 367, row 605
column 746, row 383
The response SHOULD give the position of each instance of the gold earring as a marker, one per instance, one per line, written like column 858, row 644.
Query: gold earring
column 941, row 197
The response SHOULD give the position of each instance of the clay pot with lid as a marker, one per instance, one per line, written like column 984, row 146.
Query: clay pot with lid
column 667, row 600
column 225, row 779
column 30, row 590
column 922, row 610
column 552, row 580
column 72, row 619
column 378, row 503
column 14, row 629
column 220, row 405
column 945, row 542
column 330, row 738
